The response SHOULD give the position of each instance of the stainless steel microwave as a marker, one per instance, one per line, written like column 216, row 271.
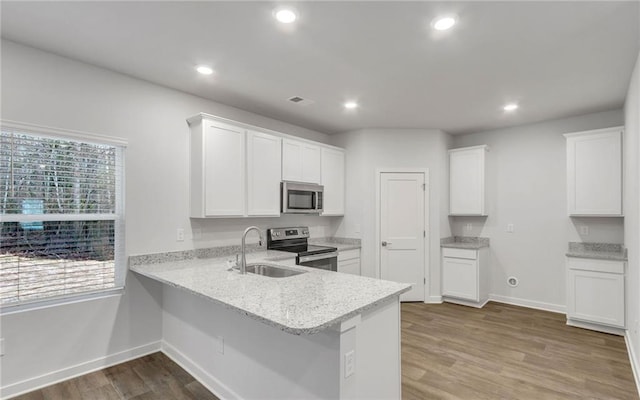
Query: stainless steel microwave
column 300, row 198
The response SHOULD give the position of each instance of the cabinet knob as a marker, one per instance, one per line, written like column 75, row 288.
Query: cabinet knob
column 385, row 244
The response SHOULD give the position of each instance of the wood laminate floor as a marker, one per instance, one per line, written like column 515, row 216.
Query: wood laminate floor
column 508, row 352
column 448, row 352
column 154, row 376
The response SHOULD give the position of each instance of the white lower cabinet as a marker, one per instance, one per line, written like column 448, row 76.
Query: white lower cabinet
column 349, row 261
column 464, row 276
column 595, row 293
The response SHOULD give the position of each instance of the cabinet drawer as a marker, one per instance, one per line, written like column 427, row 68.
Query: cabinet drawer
column 348, row 254
column 470, row 254
column 588, row 264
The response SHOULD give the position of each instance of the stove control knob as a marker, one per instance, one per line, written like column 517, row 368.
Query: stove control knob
column 276, row 233
column 305, row 232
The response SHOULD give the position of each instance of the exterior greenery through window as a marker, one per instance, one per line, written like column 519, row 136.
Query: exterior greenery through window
column 61, row 216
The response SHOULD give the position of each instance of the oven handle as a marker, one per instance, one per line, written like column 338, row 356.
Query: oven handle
column 318, row 257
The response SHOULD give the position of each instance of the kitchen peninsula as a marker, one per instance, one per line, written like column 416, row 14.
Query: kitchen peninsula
column 316, row 335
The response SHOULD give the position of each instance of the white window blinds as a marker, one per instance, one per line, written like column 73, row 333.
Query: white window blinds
column 61, row 216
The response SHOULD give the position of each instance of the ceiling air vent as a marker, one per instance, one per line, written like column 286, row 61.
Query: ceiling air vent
column 300, row 101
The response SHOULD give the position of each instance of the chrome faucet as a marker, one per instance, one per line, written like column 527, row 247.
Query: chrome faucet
column 243, row 261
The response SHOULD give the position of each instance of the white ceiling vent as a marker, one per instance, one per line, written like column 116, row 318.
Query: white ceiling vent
column 300, row 101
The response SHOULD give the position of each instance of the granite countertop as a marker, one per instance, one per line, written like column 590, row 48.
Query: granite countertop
column 301, row 304
column 464, row 242
column 342, row 244
column 599, row 251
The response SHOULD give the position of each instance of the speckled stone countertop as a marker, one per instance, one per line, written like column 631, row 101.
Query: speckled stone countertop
column 301, row 305
column 600, row 251
column 464, row 242
column 341, row 244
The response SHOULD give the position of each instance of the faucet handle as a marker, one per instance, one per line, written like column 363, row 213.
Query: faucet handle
column 237, row 262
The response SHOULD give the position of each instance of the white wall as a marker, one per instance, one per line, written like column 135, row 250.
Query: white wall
column 526, row 184
column 632, row 209
column 44, row 89
column 399, row 148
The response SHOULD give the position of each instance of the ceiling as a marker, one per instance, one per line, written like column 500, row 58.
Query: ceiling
column 555, row 59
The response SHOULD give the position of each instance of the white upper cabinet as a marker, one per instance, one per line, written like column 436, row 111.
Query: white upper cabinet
column 217, row 169
column 594, row 172
column 263, row 174
column 236, row 169
column 466, row 181
column 300, row 161
column 235, row 172
column 332, row 161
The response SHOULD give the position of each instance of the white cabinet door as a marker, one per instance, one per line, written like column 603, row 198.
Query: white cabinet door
column 596, row 291
column 466, row 181
column 349, row 261
column 594, row 172
column 460, row 278
column 333, row 181
column 224, row 169
column 291, row 160
column 596, row 297
column 300, row 161
column 349, row 266
column 310, row 163
column 263, row 174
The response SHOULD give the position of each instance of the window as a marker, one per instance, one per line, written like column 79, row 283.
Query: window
column 61, row 214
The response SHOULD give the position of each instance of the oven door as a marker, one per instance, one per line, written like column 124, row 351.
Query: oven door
column 326, row 261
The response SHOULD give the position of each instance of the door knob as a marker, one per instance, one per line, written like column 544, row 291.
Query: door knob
column 385, row 244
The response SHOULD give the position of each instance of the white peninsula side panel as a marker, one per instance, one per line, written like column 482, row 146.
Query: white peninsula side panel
column 242, row 358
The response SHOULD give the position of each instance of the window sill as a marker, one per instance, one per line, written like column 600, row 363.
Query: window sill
column 39, row 304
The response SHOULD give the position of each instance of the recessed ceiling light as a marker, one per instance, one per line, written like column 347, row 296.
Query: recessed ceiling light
column 285, row 15
column 204, row 69
column 350, row 105
column 443, row 23
column 510, row 107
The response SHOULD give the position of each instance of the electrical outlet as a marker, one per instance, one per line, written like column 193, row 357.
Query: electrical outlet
column 180, row 235
column 349, row 363
column 220, row 344
column 510, row 228
column 469, row 227
column 584, row 230
column 357, row 228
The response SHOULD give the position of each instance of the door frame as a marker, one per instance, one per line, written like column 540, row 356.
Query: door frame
column 426, row 261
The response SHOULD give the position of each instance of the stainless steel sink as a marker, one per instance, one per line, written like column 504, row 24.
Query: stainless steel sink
column 272, row 270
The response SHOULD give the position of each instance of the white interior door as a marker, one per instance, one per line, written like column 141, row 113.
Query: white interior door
column 402, row 231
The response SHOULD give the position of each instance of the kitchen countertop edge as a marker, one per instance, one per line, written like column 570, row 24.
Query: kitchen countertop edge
column 295, row 330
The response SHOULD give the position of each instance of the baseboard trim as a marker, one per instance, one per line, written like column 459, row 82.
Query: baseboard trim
column 596, row 327
column 632, row 359
column 467, row 303
column 207, row 380
column 538, row 305
column 433, row 300
column 38, row 382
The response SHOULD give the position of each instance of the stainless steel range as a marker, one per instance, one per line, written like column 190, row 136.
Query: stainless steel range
column 296, row 240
